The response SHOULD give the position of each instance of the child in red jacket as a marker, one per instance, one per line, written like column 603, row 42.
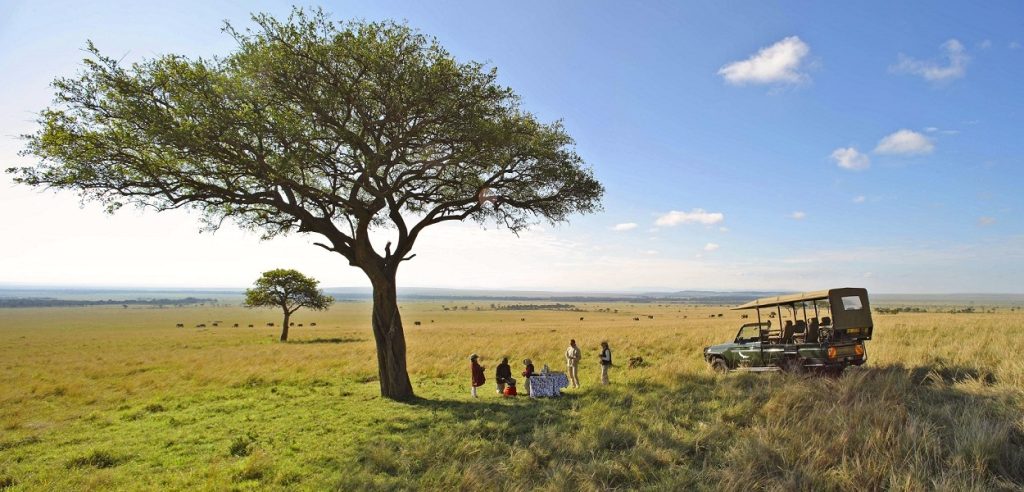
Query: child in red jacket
column 510, row 387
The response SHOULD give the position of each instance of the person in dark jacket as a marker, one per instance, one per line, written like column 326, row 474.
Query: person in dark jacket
column 477, row 374
column 526, row 375
column 502, row 375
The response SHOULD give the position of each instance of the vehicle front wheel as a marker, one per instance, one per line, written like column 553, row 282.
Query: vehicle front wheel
column 718, row 365
column 793, row 365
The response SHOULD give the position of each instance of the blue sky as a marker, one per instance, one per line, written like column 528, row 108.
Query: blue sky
column 737, row 117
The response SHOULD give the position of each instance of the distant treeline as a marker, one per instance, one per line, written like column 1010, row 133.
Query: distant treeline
column 535, row 307
column 951, row 310
column 16, row 302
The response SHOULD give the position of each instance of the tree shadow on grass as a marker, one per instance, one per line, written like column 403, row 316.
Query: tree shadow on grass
column 328, row 340
column 936, row 425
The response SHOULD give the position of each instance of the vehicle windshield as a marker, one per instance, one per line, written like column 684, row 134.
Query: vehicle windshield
column 750, row 332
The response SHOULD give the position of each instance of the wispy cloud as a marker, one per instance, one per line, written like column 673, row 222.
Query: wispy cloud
column 709, row 247
column 627, row 226
column 779, row 63
column 798, row 215
column 860, row 199
column 954, row 64
column 695, row 216
column 850, row 158
column 905, row 142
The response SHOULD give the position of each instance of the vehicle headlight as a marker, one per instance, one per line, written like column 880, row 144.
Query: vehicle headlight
column 859, row 350
column 832, row 352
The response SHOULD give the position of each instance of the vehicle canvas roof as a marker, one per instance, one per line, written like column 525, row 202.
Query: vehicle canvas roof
column 786, row 300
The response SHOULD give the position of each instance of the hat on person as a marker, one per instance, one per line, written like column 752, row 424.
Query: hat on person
column 527, row 362
column 472, row 356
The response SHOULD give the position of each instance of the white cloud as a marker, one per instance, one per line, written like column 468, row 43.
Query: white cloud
column 860, row 199
column 776, row 64
column 955, row 57
column 905, row 142
column 627, row 226
column 986, row 221
column 850, row 158
column 798, row 215
column 723, row 229
column 711, row 247
column 697, row 215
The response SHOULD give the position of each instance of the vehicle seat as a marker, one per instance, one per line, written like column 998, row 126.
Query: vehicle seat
column 812, row 332
column 787, row 332
column 800, row 330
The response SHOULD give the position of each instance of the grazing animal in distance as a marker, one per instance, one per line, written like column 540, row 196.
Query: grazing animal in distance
column 270, row 324
column 312, row 324
column 522, row 319
column 216, row 324
column 250, row 326
column 417, row 323
column 636, row 319
column 581, row 318
column 201, row 325
column 235, row 325
column 179, row 325
column 635, row 362
column 650, row 316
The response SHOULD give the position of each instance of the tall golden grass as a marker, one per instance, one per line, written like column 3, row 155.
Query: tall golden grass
column 112, row 397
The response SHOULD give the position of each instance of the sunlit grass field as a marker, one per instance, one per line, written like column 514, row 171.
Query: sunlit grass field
column 105, row 397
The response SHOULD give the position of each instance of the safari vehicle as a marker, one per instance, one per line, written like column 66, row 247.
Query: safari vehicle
column 824, row 330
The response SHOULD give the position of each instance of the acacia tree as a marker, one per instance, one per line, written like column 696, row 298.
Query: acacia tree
column 288, row 290
column 311, row 126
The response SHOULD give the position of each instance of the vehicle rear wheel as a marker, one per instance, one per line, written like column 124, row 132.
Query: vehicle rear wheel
column 718, row 365
column 793, row 365
column 833, row 372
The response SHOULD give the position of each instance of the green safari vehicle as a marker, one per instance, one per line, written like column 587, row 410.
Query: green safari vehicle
column 825, row 330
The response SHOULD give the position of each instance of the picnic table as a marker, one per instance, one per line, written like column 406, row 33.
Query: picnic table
column 547, row 385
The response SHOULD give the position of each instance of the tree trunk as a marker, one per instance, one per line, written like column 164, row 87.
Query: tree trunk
column 284, row 328
column 390, row 337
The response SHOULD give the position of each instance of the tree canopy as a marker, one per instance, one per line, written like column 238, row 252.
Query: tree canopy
column 312, row 126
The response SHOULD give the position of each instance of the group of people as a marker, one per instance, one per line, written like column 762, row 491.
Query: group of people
column 506, row 384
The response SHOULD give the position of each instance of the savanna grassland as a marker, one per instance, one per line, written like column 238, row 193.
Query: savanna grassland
column 106, row 397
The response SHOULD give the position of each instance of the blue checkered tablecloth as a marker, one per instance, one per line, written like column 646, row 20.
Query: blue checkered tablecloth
column 548, row 385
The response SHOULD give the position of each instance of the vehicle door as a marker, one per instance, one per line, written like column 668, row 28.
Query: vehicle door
column 748, row 346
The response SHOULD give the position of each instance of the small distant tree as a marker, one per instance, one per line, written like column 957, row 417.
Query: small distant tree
column 288, row 290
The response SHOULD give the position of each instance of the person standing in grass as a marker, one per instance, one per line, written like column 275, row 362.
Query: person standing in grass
column 606, row 361
column 477, row 373
column 527, row 374
column 503, row 375
column 572, row 362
